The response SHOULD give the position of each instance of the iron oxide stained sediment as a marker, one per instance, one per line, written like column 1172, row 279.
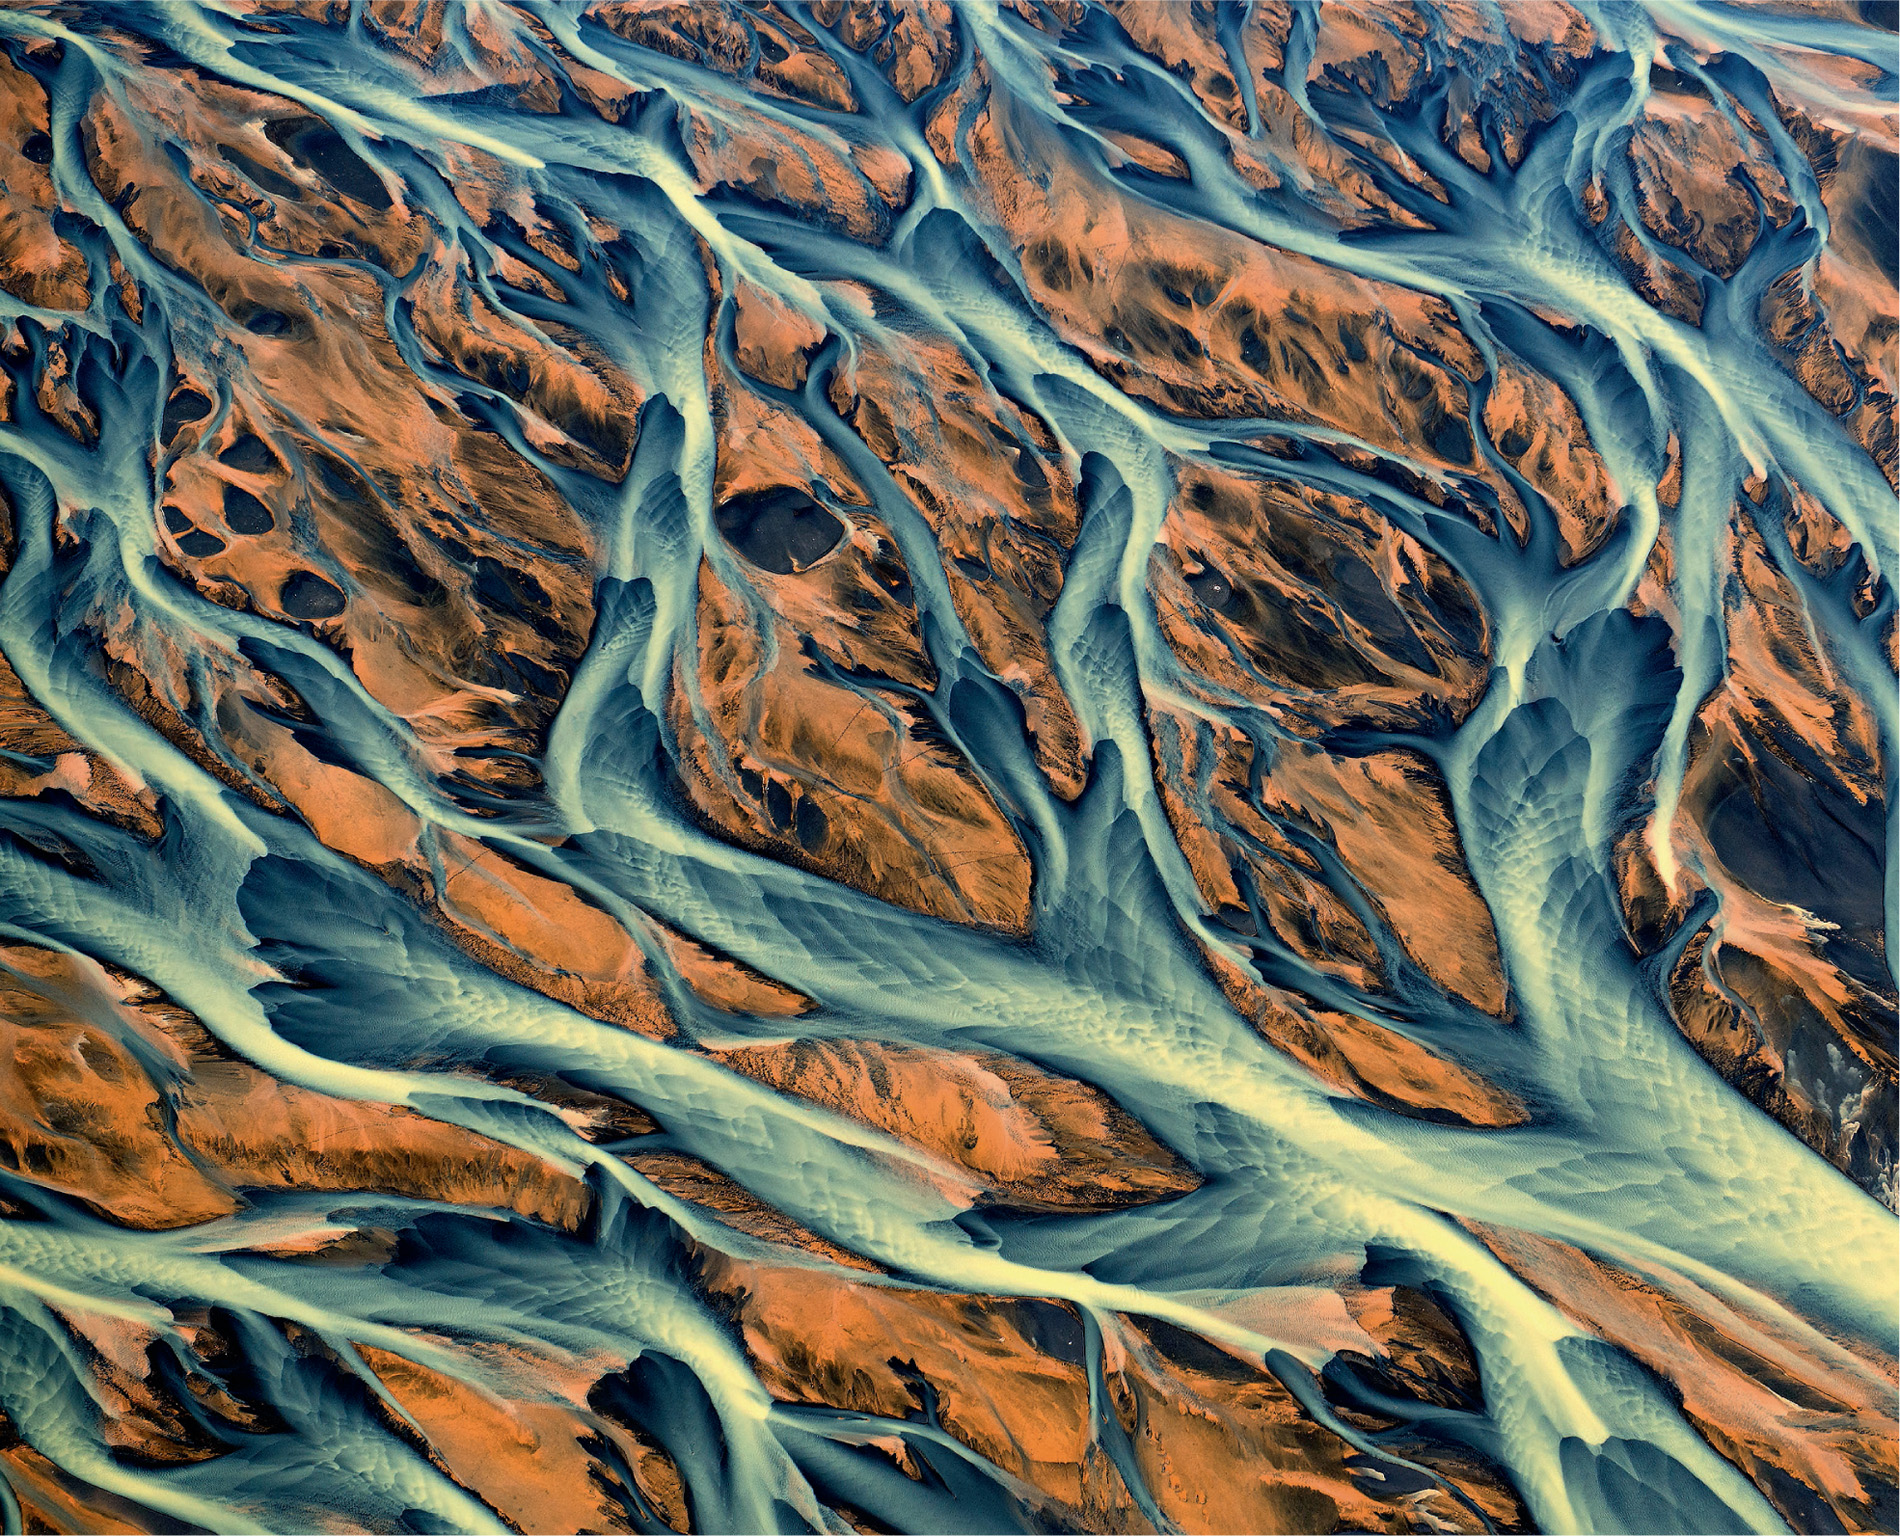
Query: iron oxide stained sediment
column 909, row 766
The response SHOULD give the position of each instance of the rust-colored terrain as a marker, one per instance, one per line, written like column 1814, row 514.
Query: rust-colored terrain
column 902, row 765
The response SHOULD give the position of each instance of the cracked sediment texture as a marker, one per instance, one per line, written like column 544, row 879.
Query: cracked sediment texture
column 890, row 765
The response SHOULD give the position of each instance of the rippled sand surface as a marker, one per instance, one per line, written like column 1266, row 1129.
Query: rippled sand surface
column 891, row 765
